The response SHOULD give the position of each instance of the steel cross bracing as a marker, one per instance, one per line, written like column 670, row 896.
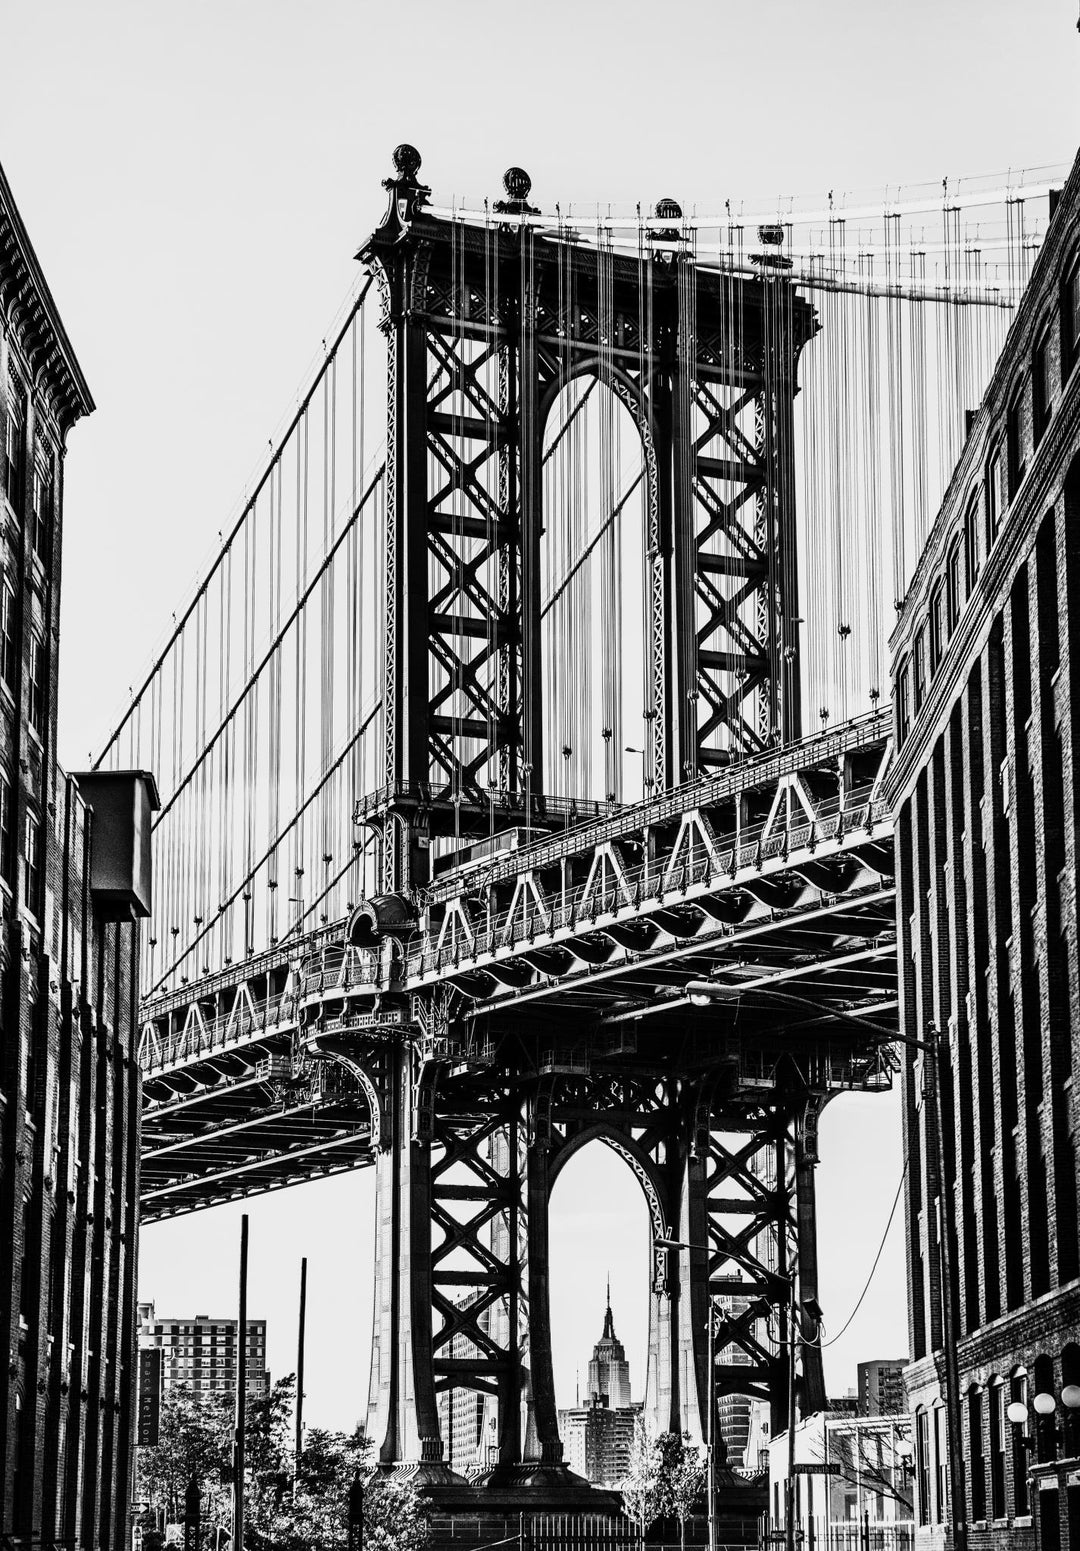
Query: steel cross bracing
column 706, row 365
column 479, row 1056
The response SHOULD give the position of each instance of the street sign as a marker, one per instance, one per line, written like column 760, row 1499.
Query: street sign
column 149, row 1396
column 817, row 1470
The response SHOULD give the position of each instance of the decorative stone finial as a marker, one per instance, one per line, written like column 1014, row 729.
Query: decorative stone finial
column 517, row 183
column 667, row 209
column 406, row 160
column 407, row 196
column 518, row 186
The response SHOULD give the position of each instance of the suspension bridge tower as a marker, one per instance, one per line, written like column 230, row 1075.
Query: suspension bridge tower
column 481, row 1099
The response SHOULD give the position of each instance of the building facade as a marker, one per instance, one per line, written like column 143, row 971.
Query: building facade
column 74, row 879
column 201, row 1352
column 986, row 673
column 881, row 1386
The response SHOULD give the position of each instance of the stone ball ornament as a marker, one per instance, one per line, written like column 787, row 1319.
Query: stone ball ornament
column 517, row 183
column 407, row 160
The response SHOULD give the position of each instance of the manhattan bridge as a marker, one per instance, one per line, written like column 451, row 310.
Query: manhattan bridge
column 523, row 759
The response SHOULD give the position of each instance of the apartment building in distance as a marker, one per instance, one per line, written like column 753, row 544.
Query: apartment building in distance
column 74, row 881
column 881, row 1386
column 986, row 674
column 201, row 1353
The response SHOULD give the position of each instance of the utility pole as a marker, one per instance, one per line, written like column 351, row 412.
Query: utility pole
column 300, row 1368
column 241, row 1395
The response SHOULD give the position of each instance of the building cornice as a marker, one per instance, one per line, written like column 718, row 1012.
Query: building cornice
column 27, row 305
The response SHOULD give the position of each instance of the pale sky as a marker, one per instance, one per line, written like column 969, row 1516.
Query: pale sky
column 196, row 178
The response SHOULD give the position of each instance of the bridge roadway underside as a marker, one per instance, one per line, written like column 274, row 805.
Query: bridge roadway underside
column 688, row 981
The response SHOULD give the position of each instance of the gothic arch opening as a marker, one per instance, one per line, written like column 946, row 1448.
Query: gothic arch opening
column 594, row 603
column 599, row 1228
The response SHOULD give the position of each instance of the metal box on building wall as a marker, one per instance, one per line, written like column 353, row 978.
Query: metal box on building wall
column 120, row 873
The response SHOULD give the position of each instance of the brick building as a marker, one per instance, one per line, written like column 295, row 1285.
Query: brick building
column 987, row 695
column 74, row 875
column 201, row 1353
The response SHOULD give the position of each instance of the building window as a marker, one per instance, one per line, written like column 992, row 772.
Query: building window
column 1042, row 388
column 12, row 443
column 32, row 861
column 922, row 1464
column 9, row 645
column 953, row 584
column 41, row 505
column 941, row 1467
column 993, row 498
column 919, row 670
column 1014, row 443
column 1018, row 1391
column 7, row 829
column 903, row 704
column 36, row 708
column 976, row 1454
column 972, row 549
column 998, row 1424
column 1070, row 320
column 937, row 626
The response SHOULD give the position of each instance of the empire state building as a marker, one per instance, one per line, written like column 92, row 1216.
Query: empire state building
column 609, row 1371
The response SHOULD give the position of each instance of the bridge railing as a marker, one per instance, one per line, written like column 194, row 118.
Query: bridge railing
column 339, row 967
column 584, row 827
column 641, row 883
column 203, row 1037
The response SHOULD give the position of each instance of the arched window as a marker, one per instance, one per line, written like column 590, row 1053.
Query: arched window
column 998, row 1442
column 1042, row 385
column 937, row 625
column 1043, row 1421
column 918, row 660
column 994, row 498
column 953, row 584
column 903, row 702
column 976, row 1452
column 1015, row 444
column 972, row 544
column 922, row 1464
column 1018, row 1395
column 1070, row 318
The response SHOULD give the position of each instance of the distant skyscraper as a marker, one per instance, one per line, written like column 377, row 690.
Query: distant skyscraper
column 609, row 1371
column 881, row 1386
column 200, row 1352
column 597, row 1436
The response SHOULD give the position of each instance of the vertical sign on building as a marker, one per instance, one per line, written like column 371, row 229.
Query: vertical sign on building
column 149, row 1396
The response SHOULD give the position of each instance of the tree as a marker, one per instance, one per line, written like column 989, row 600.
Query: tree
column 194, row 1443
column 682, row 1478
column 290, row 1505
column 641, row 1488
